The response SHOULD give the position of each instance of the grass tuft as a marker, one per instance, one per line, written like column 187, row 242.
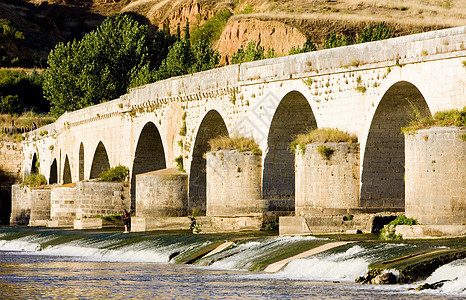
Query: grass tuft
column 323, row 135
column 239, row 143
column 35, row 180
column 448, row 118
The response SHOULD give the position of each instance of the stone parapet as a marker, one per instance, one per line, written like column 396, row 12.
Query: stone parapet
column 436, row 176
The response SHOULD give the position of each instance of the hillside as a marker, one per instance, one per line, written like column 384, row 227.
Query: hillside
column 277, row 24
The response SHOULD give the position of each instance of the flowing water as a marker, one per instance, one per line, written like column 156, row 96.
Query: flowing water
column 60, row 264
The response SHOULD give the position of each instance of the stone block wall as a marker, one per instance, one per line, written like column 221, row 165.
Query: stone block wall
column 29, row 205
column 436, row 176
column 10, row 169
column 162, row 193
column 327, row 184
column 95, row 198
column 40, row 205
column 63, row 205
column 234, row 184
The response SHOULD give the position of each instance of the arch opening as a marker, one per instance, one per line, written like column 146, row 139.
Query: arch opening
column 382, row 179
column 100, row 162
column 53, row 172
column 211, row 126
column 149, row 156
column 81, row 162
column 293, row 116
column 67, row 171
column 34, row 164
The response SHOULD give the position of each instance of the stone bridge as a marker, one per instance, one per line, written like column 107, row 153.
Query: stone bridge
column 370, row 90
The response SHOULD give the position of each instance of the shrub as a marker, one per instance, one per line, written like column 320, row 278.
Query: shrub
column 179, row 163
column 452, row 117
column 323, row 135
column 116, row 174
column 325, row 151
column 388, row 231
column 35, row 180
column 239, row 143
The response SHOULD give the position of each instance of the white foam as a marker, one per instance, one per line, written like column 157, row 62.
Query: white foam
column 455, row 272
column 342, row 266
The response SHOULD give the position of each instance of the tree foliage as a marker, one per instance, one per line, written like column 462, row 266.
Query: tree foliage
column 308, row 46
column 212, row 28
column 21, row 91
column 375, row 33
column 100, row 67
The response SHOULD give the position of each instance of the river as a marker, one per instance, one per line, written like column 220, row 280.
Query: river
column 60, row 264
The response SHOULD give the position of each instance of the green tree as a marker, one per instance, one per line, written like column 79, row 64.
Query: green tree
column 212, row 28
column 307, row 47
column 28, row 88
column 337, row 40
column 10, row 104
column 252, row 52
column 375, row 33
column 204, row 57
column 99, row 67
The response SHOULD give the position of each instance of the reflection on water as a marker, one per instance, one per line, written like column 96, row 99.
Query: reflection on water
column 29, row 276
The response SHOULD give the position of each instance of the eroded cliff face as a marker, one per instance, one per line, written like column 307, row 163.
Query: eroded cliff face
column 268, row 33
column 277, row 24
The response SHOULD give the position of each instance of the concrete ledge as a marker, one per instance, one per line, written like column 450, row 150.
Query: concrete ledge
column 38, row 222
column 89, row 223
column 229, row 224
column 139, row 224
column 293, row 225
column 430, row 231
column 59, row 223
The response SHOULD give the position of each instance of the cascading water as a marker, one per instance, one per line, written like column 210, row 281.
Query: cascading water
column 247, row 253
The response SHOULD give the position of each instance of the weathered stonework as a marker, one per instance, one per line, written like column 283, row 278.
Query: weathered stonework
column 327, row 184
column 63, row 206
column 30, row 206
column 436, row 176
column 11, row 158
column 162, row 193
column 365, row 89
column 97, row 198
column 234, row 184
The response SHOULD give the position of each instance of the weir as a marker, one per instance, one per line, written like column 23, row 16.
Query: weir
column 370, row 90
column 290, row 258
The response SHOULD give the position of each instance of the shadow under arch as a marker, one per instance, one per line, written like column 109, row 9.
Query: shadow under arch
column 383, row 167
column 81, row 162
column 149, row 156
column 293, row 116
column 211, row 126
column 53, row 172
column 34, row 168
column 67, row 171
column 100, row 162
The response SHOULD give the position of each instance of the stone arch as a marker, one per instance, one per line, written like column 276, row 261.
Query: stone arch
column 382, row 178
column 53, row 172
column 67, row 171
column 149, row 155
column 81, row 162
column 293, row 116
column 34, row 164
column 100, row 162
column 212, row 125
